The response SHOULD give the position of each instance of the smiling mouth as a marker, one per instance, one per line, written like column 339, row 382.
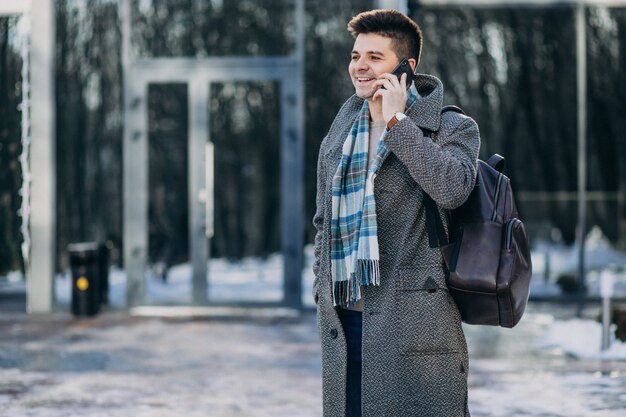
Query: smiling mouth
column 364, row 80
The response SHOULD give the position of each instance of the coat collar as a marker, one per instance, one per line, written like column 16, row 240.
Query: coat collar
column 425, row 112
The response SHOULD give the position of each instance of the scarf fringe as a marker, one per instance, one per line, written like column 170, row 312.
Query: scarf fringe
column 341, row 293
column 368, row 271
column 348, row 292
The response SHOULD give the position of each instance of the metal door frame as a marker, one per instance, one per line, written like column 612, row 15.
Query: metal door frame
column 198, row 74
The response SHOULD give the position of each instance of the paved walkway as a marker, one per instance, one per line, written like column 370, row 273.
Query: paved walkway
column 117, row 365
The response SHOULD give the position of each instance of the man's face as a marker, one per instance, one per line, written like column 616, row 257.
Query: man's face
column 371, row 56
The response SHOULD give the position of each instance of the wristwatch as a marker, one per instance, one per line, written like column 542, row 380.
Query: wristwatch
column 395, row 119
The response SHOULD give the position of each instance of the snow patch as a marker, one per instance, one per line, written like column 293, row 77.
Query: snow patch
column 15, row 277
column 583, row 339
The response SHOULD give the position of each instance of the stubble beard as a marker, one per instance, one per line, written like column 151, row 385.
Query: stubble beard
column 363, row 93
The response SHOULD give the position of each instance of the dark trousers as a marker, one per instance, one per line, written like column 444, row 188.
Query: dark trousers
column 352, row 323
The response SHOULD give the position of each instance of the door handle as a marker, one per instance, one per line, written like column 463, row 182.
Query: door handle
column 209, row 192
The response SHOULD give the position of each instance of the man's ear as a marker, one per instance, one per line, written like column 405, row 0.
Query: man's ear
column 413, row 64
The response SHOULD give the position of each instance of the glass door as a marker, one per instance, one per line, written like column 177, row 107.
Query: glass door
column 214, row 198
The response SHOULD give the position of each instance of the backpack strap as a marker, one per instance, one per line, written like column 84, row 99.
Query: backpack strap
column 453, row 108
column 436, row 232
column 496, row 162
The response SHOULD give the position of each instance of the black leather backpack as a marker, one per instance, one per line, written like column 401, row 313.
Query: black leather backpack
column 487, row 253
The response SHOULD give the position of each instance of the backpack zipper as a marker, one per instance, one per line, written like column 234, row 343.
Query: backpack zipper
column 508, row 239
column 494, row 216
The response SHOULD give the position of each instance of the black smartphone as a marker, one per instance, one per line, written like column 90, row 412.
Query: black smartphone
column 404, row 68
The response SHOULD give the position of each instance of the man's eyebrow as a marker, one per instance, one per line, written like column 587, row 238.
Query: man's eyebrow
column 369, row 52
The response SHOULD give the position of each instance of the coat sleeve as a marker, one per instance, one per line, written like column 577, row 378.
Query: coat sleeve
column 318, row 218
column 445, row 168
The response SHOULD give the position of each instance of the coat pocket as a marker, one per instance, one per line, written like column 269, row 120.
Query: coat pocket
column 429, row 320
column 434, row 385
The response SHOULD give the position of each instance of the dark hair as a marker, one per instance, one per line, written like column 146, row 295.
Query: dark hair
column 405, row 34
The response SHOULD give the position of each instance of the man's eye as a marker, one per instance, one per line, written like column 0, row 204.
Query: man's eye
column 375, row 58
column 354, row 57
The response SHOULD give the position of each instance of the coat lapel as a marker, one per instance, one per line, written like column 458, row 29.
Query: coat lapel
column 339, row 133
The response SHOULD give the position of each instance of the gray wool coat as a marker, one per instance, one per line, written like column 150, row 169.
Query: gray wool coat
column 414, row 352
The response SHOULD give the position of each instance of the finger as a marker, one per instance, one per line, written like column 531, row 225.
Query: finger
column 403, row 80
column 384, row 82
column 380, row 93
column 379, row 81
column 392, row 78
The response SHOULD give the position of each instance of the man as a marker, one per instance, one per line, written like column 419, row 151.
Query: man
column 392, row 343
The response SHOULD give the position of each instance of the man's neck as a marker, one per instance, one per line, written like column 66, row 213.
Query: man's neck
column 376, row 110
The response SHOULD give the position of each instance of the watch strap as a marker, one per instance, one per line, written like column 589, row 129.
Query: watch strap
column 395, row 119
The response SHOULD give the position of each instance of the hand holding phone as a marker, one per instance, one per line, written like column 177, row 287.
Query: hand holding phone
column 404, row 68
column 394, row 99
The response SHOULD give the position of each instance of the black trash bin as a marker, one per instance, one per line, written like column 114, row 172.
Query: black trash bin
column 85, row 278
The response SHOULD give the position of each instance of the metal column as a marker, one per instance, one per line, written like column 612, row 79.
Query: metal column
column 198, row 95
column 135, row 170
column 43, row 161
column 581, row 80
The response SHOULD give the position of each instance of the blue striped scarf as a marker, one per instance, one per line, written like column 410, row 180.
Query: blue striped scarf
column 354, row 235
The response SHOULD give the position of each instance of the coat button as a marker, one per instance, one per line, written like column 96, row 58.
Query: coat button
column 334, row 333
column 462, row 368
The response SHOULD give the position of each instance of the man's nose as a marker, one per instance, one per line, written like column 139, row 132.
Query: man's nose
column 361, row 65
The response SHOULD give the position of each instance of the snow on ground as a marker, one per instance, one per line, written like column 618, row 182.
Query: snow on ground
column 14, row 277
column 530, row 370
column 551, row 260
column 512, row 391
column 115, row 365
column 118, row 366
column 582, row 339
